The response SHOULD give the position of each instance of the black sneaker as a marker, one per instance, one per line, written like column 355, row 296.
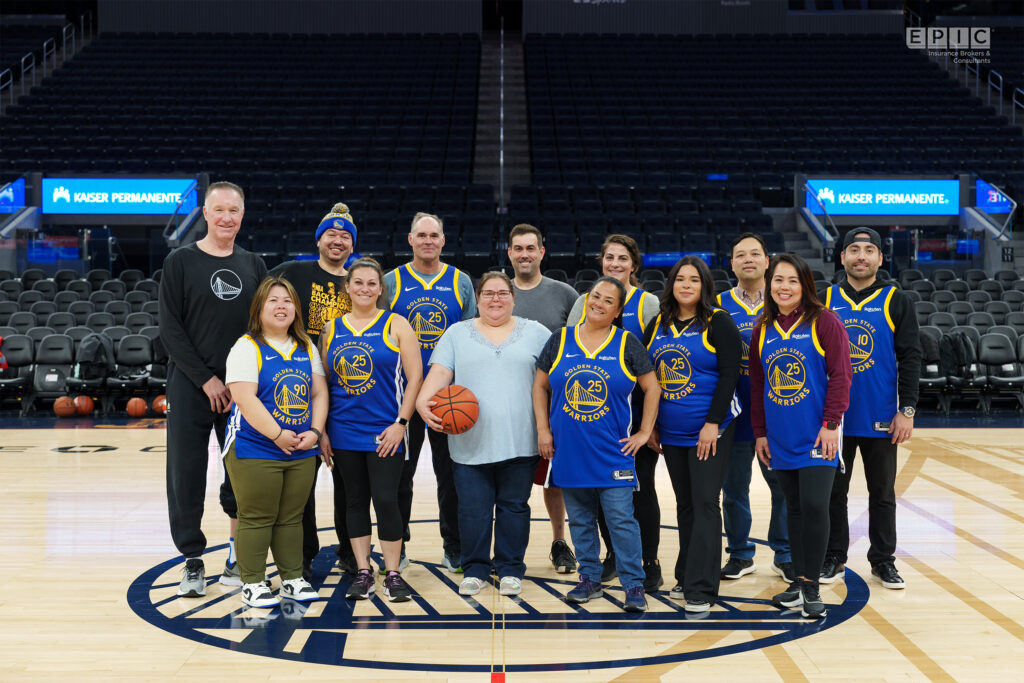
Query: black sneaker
column 813, row 606
column 362, row 586
column 677, row 592
column 831, row 570
column 562, row 558
column 307, row 570
column 347, row 564
column 652, row 576
column 785, row 571
column 886, row 574
column 608, row 569
column 789, row 598
column 396, row 589
column 735, row 568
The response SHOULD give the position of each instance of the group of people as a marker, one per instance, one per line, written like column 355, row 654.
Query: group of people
column 580, row 393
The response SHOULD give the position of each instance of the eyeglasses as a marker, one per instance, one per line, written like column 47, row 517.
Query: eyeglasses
column 502, row 295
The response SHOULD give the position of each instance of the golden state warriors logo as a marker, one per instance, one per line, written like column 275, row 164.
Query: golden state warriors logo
column 586, row 394
column 673, row 370
column 353, row 367
column 428, row 321
column 862, row 343
column 291, row 396
column 787, row 377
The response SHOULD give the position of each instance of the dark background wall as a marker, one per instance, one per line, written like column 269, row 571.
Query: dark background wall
column 298, row 16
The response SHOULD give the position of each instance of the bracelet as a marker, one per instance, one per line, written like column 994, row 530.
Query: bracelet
column 278, row 434
column 319, row 434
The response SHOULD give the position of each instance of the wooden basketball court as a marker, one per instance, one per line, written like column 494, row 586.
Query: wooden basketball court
column 89, row 575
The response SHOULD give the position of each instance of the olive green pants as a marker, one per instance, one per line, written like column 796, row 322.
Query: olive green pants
column 271, row 495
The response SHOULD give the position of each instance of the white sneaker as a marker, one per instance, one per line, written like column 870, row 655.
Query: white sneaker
column 231, row 576
column 510, row 585
column 470, row 586
column 193, row 579
column 258, row 595
column 298, row 589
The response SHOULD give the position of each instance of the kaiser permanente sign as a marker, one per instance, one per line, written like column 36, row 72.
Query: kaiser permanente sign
column 116, row 196
column 876, row 197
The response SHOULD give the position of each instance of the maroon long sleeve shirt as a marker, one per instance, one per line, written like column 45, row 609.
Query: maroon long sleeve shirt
column 836, row 343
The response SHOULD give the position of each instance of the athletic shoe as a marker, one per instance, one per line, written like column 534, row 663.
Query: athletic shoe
column 584, row 591
column 789, row 598
column 396, row 589
column 403, row 563
column 452, row 563
column 635, row 600
column 813, row 606
column 348, row 565
column 652, row 576
column 298, row 589
column 562, row 558
column 677, row 592
column 697, row 606
column 470, row 586
column 231, row 576
column 832, row 569
column 362, row 586
column 735, row 568
column 886, row 574
column 510, row 585
column 258, row 595
column 785, row 571
column 193, row 579
column 608, row 569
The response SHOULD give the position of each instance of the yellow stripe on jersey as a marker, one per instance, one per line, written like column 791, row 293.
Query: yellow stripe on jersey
column 886, row 309
column 814, row 338
column 387, row 333
column 622, row 357
column 561, row 348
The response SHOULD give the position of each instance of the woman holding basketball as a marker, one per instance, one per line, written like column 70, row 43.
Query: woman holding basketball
column 581, row 399
column 800, row 377
column 696, row 350
column 270, row 448
column 367, row 351
column 494, row 462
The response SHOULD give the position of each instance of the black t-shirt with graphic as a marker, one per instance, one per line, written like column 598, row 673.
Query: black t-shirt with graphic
column 321, row 294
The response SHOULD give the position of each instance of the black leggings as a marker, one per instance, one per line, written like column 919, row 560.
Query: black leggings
column 365, row 476
column 807, row 490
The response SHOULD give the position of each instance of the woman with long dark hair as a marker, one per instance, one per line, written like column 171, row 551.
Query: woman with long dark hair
column 696, row 350
column 800, row 378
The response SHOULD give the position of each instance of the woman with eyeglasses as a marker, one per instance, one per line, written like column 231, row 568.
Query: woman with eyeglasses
column 493, row 462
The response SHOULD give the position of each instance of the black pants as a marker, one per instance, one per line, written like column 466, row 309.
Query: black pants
column 807, row 493
column 879, row 457
column 189, row 421
column 366, row 476
column 310, row 536
column 447, row 499
column 698, row 487
column 645, row 506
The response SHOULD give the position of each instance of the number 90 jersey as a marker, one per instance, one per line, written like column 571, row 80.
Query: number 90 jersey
column 590, row 413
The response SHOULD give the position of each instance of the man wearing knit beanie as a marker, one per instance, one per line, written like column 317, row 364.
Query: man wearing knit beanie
column 321, row 288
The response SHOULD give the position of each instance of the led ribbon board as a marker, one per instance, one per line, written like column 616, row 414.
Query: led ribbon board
column 879, row 197
column 124, row 196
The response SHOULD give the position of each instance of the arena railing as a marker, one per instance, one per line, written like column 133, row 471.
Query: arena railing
column 49, row 55
column 68, row 34
column 6, row 83
column 28, row 66
column 1018, row 103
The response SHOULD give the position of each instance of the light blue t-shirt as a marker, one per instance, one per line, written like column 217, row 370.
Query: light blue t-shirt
column 501, row 377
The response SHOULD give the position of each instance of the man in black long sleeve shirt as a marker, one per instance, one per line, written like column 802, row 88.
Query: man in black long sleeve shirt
column 205, row 294
column 886, row 356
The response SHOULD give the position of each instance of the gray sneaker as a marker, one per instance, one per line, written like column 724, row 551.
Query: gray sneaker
column 452, row 562
column 231, row 576
column 193, row 579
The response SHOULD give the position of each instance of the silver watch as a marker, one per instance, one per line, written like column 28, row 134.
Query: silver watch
column 908, row 411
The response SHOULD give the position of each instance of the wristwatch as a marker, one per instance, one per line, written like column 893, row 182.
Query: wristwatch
column 830, row 425
column 401, row 421
column 908, row 411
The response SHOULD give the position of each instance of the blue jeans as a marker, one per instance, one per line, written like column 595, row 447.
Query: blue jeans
column 494, row 496
column 736, row 506
column 617, row 505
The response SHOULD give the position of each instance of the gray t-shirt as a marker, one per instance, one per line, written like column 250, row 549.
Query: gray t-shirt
column 548, row 303
column 501, row 377
column 466, row 292
column 649, row 309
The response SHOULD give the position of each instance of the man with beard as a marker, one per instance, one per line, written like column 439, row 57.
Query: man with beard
column 548, row 302
column 320, row 285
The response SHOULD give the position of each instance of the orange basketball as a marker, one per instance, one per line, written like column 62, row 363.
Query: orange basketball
column 457, row 407
column 136, row 407
column 84, row 405
column 64, row 406
column 160, row 405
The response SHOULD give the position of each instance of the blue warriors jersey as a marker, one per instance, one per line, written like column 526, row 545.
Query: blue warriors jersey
column 796, row 381
column 284, row 388
column 873, row 393
column 744, row 316
column 686, row 366
column 366, row 384
column 590, row 412
column 632, row 312
column 430, row 307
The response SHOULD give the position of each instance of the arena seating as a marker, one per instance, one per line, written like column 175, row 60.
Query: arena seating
column 17, row 40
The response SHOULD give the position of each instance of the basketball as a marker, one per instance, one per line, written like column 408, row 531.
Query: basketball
column 84, row 405
column 457, row 407
column 160, row 405
column 136, row 407
column 64, row 406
